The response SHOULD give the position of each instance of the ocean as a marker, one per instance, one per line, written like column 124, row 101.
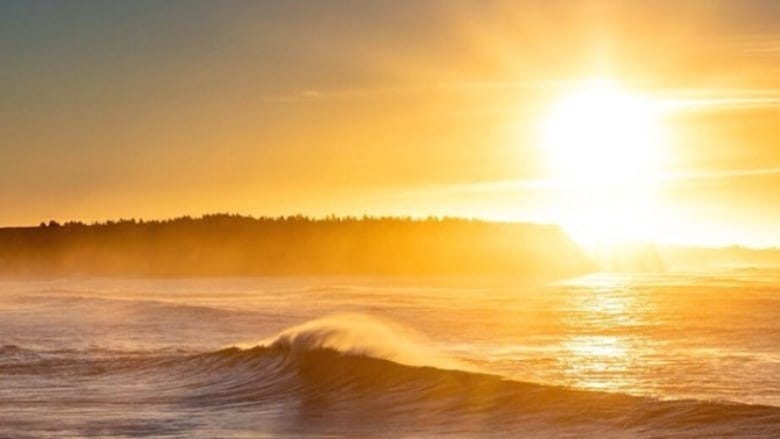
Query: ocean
column 668, row 355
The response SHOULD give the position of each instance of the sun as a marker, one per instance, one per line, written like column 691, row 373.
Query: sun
column 604, row 145
column 602, row 134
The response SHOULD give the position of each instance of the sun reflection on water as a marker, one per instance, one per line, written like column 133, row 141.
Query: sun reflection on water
column 597, row 362
column 602, row 345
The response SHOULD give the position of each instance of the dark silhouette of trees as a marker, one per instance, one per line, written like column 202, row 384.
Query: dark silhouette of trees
column 234, row 245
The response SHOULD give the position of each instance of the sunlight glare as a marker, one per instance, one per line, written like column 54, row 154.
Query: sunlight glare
column 602, row 135
column 604, row 146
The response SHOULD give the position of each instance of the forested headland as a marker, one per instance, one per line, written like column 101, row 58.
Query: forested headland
column 233, row 245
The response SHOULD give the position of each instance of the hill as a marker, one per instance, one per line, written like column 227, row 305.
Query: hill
column 232, row 245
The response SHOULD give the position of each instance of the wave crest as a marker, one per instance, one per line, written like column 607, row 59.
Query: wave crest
column 361, row 335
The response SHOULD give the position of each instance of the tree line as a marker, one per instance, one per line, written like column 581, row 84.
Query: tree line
column 235, row 245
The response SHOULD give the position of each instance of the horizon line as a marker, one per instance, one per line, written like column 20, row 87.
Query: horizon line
column 368, row 217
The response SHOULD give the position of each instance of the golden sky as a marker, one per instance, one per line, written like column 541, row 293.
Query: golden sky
column 148, row 109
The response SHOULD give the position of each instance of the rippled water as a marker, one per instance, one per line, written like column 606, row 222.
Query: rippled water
column 608, row 355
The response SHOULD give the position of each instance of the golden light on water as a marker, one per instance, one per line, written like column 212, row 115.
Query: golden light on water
column 434, row 218
column 594, row 362
column 599, row 357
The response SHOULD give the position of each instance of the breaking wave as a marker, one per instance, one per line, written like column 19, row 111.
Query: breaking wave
column 355, row 375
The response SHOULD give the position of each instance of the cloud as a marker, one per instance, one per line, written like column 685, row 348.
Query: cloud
column 720, row 99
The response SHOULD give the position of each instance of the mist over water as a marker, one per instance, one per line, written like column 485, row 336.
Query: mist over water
column 672, row 355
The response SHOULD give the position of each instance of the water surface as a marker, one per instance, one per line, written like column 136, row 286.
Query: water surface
column 608, row 355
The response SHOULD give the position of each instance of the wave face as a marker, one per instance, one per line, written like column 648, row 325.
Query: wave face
column 608, row 356
column 336, row 392
column 345, row 375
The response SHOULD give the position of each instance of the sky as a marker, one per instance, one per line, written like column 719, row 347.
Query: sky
column 144, row 109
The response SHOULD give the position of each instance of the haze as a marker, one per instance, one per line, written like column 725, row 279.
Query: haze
column 154, row 110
